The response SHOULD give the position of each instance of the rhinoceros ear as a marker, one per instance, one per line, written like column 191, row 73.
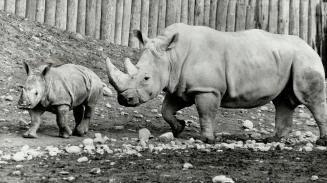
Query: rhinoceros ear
column 27, row 68
column 172, row 41
column 46, row 69
column 140, row 37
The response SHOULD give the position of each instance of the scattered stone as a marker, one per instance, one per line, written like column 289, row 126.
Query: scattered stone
column 154, row 110
column 304, row 115
column 73, row 149
column 88, row 142
column 119, row 127
column 95, row 171
column 179, row 112
column 314, row 177
column 108, row 105
column 99, row 138
column 19, row 166
column 222, row 179
column 64, row 173
column 53, row 151
column 144, row 135
column 22, row 122
column 247, row 124
column 69, row 179
column 264, row 108
column 168, row 136
column 321, row 148
column 139, row 116
column 82, row 159
column 310, row 123
column 19, row 156
column 16, row 173
column 3, row 162
column 187, row 166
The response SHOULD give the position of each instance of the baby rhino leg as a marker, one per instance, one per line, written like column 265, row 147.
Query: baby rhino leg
column 78, row 115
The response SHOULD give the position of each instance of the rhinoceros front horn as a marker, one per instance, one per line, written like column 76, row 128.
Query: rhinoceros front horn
column 130, row 67
column 117, row 78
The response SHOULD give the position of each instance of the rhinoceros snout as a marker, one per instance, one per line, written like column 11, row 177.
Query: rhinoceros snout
column 23, row 104
column 128, row 101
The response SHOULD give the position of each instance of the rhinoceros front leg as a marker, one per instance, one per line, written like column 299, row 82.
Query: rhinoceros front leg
column 283, row 118
column 207, row 105
column 35, row 121
column 62, row 118
column 170, row 106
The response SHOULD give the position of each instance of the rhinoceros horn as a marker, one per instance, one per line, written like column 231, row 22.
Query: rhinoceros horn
column 130, row 67
column 117, row 78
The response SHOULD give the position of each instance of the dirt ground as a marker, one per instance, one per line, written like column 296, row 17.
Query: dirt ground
column 21, row 40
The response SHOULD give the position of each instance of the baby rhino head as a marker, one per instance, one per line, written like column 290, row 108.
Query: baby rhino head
column 34, row 89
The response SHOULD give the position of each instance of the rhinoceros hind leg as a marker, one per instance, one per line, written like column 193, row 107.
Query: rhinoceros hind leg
column 170, row 106
column 319, row 112
column 62, row 118
column 83, row 127
column 78, row 115
column 207, row 105
column 309, row 87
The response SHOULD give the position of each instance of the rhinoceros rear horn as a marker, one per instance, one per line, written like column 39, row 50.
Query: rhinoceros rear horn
column 130, row 67
column 116, row 78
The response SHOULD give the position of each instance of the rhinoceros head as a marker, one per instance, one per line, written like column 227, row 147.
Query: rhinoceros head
column 34, row 88
column 145, row 80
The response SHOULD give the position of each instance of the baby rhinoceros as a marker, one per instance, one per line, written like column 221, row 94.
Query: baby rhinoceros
column 58, row 89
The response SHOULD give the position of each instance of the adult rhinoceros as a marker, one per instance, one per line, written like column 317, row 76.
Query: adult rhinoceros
column 199, row 65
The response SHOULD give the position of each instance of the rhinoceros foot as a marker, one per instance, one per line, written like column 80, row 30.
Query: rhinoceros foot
column 65, row 133
column 207, row 140
column 271, row 139
column 322, row 141
column 179, row 128
column 81, row 130
column 29, row 134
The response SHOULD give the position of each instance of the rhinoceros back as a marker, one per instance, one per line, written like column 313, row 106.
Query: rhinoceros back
column 72, row 85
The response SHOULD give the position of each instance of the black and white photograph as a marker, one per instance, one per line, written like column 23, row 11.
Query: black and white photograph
column 163, row 91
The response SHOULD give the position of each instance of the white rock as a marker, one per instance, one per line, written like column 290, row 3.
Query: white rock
column 222, row 179
column 144, row 134
column 53, row 151
column 154, row 110
column 16, row 173
column 73, row 149
column 6, row 157
column 187, row 166
column 247, row 124
column 88, row 142
column 3, row 162
column 119, row 127
column 95, row 171
column 99, row 139
column 321, row 148
column 108, row 105
column 307, row 148
column 304, row 115
column 168, row 136
column 82, row 159
column 69, row 179
column 264, row 108
column 19, row 166
column 19, row 156
column 314, row 177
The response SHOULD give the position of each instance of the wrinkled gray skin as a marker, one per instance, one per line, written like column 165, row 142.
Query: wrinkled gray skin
column 58, row 90
column 212, row 69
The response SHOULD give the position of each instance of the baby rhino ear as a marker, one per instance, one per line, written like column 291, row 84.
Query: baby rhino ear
column 27, row 68
column 171, row 42
column 46, row 69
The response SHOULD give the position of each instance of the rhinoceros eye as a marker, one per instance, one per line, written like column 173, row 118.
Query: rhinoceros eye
column 146, row 78
column 36, row 93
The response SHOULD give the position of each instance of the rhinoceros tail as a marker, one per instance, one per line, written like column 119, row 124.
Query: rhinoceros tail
column 106, row 90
